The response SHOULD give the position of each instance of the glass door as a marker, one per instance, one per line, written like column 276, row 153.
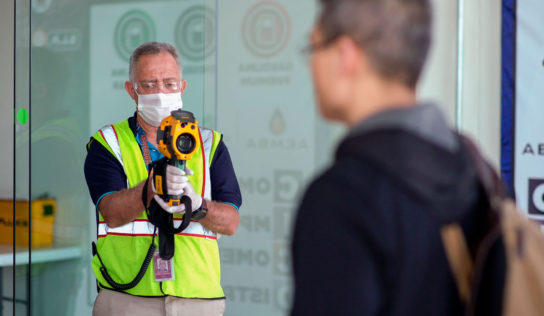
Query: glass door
column 57, row 134
column 15, row 174
column 71, row 64
column 7, row 208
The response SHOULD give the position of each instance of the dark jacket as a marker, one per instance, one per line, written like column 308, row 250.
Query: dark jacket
column 366, row 238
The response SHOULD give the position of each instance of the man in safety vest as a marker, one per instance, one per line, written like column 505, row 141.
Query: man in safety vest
column 132, row 278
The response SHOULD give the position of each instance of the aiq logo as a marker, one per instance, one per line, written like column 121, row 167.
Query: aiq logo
column 133, row 29
column 266, row 29
column 61, row 40
column 64, row 40
column 195, row 33
column 287, row 184
column 536, row 196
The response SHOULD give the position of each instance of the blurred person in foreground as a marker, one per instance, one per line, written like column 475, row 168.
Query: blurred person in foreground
column 366, row 241
column 116, row 169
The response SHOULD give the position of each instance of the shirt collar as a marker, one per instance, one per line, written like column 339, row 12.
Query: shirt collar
column 425, row 120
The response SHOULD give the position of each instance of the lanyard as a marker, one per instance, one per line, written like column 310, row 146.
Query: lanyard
column 145, row 149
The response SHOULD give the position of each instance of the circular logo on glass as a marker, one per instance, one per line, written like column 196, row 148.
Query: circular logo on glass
column 266, row 29
column 195, row 33
column 133, row 29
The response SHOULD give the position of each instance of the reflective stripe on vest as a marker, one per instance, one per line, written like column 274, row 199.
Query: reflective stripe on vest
column 110, row 136
column 142, row 227
column 206, row 138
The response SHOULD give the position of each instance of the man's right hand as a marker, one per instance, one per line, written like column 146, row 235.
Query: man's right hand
column 175, row 178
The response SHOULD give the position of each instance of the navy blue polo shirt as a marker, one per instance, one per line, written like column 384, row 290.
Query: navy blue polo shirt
column 105, row 174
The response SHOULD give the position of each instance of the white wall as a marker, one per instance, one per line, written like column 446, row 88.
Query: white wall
column 480, row 102
column 471, row 101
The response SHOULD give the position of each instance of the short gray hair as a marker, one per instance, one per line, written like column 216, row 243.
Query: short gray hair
column 395, row 34
column 151, row 48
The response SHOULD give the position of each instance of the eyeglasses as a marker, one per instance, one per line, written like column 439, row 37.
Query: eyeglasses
column 147, row 87
column 311, row 48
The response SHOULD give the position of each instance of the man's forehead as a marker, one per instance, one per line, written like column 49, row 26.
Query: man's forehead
column 162, row 64
column 153, row 59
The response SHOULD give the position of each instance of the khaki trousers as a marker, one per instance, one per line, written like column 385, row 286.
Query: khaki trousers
column 111, row 303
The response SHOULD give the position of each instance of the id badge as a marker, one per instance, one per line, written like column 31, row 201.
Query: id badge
column 164, row 269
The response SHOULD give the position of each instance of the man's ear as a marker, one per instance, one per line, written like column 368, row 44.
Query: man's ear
column 129, row 87
column 183, row 85
column 352, row 57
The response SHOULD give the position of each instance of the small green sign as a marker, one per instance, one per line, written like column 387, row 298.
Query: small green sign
column 22, row 116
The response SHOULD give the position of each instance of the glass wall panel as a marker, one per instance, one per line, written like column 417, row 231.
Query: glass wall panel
column 58, row 132
column 80, row 54
column 246, row 77
column 46, row 179
column 276, row 139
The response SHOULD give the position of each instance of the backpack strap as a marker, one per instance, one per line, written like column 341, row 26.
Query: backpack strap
column 467, row 270
column 459, row 259
column 488, row 177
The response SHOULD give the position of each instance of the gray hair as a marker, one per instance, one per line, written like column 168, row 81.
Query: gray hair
column 395, row 34
column 151, row 48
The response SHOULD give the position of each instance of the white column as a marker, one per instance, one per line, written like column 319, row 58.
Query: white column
column 479, row 105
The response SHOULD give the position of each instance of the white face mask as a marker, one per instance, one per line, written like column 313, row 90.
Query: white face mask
column 153, row 108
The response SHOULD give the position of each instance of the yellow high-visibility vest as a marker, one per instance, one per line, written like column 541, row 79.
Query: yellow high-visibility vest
column 123, row 249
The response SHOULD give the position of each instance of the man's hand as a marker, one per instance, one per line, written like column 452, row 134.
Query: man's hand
column 221, row 218
column 177, row 183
